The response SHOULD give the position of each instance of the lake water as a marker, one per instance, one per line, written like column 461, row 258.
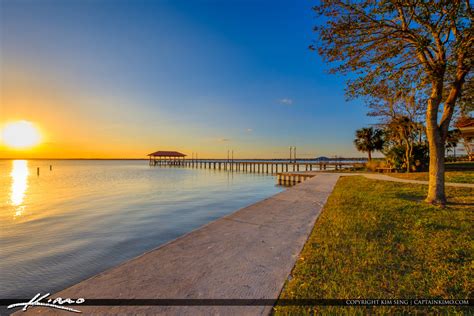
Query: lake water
column 85, row 216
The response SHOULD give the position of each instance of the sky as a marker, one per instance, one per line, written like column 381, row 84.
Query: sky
column 121, row 79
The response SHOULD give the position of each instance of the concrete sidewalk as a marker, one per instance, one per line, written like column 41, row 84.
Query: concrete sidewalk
column 393, row 179
column 383, row 177
column 246, row 255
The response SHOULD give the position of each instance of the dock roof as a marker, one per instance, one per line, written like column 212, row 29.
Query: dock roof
column 167, row 154
column 466, row 126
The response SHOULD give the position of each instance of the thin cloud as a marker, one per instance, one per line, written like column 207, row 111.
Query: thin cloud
column 249, row 130
column 224, row 139
column 286, row 101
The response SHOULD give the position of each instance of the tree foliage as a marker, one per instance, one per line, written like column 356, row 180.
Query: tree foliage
column 396, row 156
column 395, row 43
column 404, row 132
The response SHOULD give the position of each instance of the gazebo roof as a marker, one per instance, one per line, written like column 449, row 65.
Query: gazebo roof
column 465, row 122
column 167, row 154
column 466, row 126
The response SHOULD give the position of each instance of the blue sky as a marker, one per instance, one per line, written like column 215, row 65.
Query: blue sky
column 198, row 76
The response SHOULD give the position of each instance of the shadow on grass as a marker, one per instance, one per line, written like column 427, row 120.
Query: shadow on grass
column 459, row 203
column 410, row 197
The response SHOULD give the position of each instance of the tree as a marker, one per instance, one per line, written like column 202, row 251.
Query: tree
column 400, row 109
column 452, row 140
column 396, row 156
column 369, row 140
column 387, row 42
column 404, row 131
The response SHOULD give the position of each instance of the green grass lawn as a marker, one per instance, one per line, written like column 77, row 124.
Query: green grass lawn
column 466, row 176
column 378, row 239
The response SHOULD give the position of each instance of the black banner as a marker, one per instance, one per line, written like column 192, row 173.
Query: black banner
column 261, row 302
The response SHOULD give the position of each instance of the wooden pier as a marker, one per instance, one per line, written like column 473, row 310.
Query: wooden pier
column 267, row 167
column 287, row 172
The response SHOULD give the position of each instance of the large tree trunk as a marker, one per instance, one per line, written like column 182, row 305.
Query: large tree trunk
column 437, row 134
column 436, row 193
column 370, row 155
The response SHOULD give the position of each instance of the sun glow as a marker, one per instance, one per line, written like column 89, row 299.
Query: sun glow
column 21, row 134
column 19, row 177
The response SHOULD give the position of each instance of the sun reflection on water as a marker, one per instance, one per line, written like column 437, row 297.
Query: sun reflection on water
column 19, row 177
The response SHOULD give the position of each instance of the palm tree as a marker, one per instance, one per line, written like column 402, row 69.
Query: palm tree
column 369, row 140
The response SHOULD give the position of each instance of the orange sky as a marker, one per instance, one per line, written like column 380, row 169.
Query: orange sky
column 87, row 127
column 104, row 127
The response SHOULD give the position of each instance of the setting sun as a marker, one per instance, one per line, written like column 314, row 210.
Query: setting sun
column 21, row 134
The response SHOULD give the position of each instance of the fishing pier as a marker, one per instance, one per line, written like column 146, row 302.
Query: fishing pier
column 287, row 171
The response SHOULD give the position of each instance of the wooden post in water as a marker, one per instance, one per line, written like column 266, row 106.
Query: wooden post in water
column 37, row 171
column 232, row 161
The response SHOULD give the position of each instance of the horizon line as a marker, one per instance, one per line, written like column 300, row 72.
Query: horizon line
column 339, row 157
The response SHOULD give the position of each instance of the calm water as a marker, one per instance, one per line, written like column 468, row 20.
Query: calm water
column 86, row 216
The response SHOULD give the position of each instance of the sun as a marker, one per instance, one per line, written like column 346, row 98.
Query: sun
column 20, row 134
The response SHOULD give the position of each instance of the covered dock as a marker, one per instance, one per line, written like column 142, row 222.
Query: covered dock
column 173, row 158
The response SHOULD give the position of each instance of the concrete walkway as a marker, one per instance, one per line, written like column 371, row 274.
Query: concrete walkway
column 383, row 177
column 246, row 255
column 388, row 178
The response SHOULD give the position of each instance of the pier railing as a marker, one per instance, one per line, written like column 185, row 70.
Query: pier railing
column 259, row 166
